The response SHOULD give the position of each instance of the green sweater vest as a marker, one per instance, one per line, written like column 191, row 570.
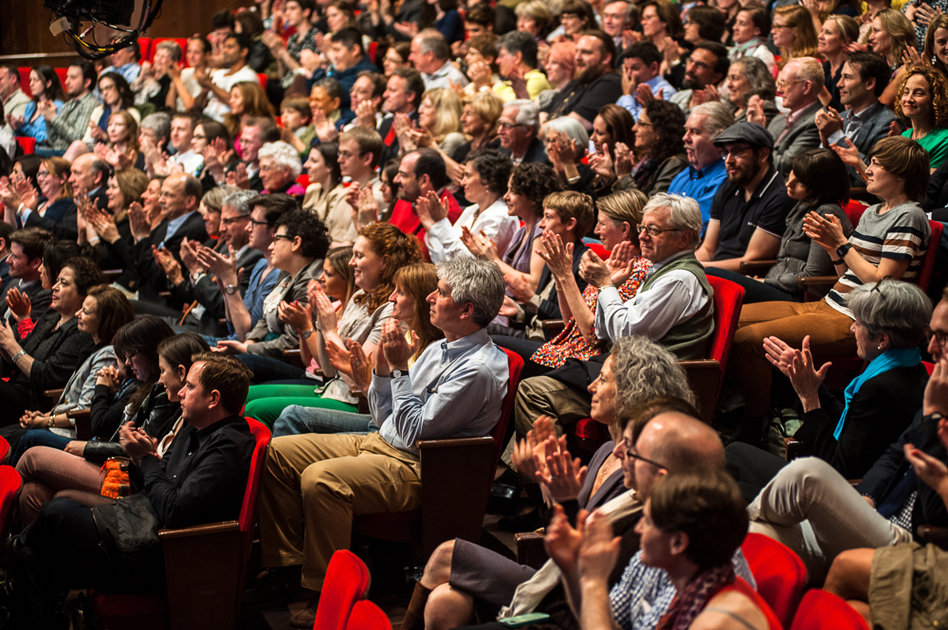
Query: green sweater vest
column 691, row 338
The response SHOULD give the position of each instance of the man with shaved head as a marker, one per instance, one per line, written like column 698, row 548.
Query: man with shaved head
column 664, row 437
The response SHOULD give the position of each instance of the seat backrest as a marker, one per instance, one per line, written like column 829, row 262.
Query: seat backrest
column 5, row 446
column 854, row 210
column 821, row 610
column 27, row 144
column 10, row 483
column 600, row 250
column 779, row 573
column 347, row 581
column 261, row 438
column 25, row 80
column 928, row 262
column 728, row 298
column 499, row 432
column 367, row 616
column 61, row 73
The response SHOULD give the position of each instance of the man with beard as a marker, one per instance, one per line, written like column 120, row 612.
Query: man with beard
column 70, row 123
column 748, row 214
column 235, row 50
column 595, row 83
column 421, row 173
column 706, row 68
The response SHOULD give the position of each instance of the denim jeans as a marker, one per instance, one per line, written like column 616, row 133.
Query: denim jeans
column 297, row 419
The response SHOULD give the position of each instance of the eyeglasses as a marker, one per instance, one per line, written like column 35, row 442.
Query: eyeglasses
column 654, row 231
column 940, row 336
column 285, row 237
column 783, row 85
column 507, row 125
column 632, row 453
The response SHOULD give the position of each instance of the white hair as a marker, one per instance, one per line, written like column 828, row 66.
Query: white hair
column 283, row 155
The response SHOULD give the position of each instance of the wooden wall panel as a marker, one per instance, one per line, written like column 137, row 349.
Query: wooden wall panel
column 24, row 25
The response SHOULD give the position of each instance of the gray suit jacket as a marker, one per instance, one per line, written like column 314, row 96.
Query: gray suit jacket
column 802, row 135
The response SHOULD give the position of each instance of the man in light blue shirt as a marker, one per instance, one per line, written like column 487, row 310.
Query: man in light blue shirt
column 455, row 389
column 706, row 171
column 640, row 64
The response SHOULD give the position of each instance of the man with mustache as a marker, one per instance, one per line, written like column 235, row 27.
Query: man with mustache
column 595, row 82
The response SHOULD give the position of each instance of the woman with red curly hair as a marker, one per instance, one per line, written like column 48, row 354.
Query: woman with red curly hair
column 379, row 251
column 923, row 99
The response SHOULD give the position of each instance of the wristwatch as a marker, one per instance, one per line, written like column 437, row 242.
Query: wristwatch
column 843, row 249
column 397, row 373
column 230, row 289
column 306, row 334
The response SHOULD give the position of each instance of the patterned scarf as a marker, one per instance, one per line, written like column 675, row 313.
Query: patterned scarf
column 692, row 600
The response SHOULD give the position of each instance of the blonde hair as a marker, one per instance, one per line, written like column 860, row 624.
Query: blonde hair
column 448, row 110
column 804, row 33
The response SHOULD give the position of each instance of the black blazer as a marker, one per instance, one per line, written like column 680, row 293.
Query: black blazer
column 60, row 219
column 150, row 277
column 890, row 468
column 879, row 412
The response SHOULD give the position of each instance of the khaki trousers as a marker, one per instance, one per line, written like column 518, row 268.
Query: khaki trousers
column 314, row 484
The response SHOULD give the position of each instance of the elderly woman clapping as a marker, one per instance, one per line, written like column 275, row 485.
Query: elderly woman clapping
column 280, row 165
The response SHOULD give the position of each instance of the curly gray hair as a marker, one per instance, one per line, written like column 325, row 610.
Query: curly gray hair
column 644, row 370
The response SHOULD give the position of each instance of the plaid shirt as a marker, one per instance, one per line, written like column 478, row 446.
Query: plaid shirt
column 644, row 593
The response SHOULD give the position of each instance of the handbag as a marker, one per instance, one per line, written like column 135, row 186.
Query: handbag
column 128, row 526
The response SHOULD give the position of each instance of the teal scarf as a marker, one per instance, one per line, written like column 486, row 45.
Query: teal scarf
column 888, row 360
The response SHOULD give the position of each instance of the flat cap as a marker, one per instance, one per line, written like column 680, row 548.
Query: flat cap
column 744, row 131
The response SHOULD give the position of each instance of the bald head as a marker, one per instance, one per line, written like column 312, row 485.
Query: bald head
column 672, row 442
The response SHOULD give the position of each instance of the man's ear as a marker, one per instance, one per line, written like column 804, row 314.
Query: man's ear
column 215, row 399
column 468, row 311
column 679, row 543
column 424, row 182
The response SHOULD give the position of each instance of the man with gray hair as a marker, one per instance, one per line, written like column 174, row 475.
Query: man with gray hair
column 199, row 285
column 673, row 307
column 706, row 171
column 517, row 130
column 517, row 61
column 314, row 484
column 800, row 83
column 431, row 56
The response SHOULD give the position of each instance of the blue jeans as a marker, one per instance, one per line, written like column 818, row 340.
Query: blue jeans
column 297, row 419
column 37, row 437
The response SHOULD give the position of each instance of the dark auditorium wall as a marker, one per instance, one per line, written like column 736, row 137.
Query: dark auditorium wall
column 24, row 27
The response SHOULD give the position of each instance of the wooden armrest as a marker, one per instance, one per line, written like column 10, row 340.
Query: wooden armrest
column 933, row 534
column 53, row 394
column 530, row 549
column 756, row 267
column 456, row 475
column 208, row 529
column 202, row 574
column 794, row 448
column 83, row 420
column 552, row 327
column 294, row 357
column 817, row 281
column 704, row 376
